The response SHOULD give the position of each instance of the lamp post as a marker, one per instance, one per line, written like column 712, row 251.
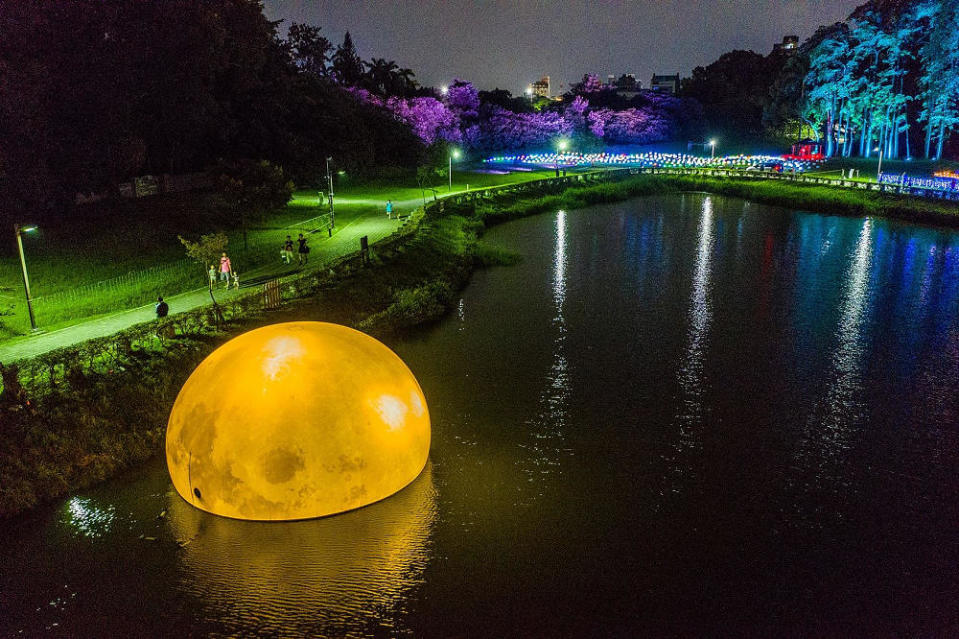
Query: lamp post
column 712, row 149
column 879, row 168
column 455, row 153
column 561, row 146
column 329, row 177
column 19, row 231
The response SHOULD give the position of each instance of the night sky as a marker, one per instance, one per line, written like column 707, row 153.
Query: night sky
column 510, row 43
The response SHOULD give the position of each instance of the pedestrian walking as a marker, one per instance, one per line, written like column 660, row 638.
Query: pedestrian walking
column 212, row 273
column 236, row 279
column 389, row 209
column 225, row 269
column 303, row 252
column 287, row 251
column 161, row 308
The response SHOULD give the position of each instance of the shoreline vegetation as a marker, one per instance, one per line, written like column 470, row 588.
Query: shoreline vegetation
column 79, row 415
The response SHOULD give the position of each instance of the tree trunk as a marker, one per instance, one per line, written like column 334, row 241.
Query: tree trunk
column 896, row 136
column 908, row 151
column 928, row 127
column 829, row 134
column 865, row 132
column 941, row 140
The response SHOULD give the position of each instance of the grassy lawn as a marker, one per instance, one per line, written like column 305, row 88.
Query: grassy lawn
column 110, row 256
column 868, row 167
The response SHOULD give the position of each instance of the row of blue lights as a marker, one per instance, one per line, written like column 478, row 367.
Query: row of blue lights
column 655, row 160
column 938, row 183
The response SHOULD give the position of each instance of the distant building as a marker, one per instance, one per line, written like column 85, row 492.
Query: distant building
column 541, row 87
column 789, row 44
column 665, row 83
column 611, row 80
column 628, row 82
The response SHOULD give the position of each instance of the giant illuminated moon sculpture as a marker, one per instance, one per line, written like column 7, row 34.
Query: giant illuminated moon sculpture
column 297, row 420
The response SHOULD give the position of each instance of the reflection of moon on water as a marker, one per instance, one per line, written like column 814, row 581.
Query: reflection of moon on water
column 323, row 576
column 297, row 420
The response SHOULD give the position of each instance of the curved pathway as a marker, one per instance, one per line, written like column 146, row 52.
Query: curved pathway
column 345, row 240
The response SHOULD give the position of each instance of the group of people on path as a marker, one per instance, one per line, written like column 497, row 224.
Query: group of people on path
column 302, row 251
column 225, row 274
column 228, row 276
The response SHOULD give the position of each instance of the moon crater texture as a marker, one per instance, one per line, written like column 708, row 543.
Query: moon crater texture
column 295, row 421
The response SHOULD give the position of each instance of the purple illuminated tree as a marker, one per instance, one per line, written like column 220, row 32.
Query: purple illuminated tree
column 463, row 98
column 590, row 84
column 429, row 118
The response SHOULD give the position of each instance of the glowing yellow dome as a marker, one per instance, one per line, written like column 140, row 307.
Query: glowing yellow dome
column 294, row 421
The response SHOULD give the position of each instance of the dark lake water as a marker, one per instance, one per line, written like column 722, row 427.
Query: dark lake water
column 683, row 415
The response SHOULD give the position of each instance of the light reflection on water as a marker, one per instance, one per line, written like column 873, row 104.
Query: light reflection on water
column 87, row 518
column 831, row 425
column 332, row 575
column 787, row 381
column 691, row 372
column 546, row 445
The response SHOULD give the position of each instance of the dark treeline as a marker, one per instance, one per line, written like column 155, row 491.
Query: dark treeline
column 93, row 92
column 887, row 77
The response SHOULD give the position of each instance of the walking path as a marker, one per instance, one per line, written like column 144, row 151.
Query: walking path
column 346, row 239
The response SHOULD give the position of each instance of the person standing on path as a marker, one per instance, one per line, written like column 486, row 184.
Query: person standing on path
column 225, row 269
column 288, row 250
column 212, row 276
column 389, row 209
column 162, row 308
column 303, row 253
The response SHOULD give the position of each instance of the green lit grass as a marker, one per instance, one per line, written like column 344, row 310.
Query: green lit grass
column 129, row 252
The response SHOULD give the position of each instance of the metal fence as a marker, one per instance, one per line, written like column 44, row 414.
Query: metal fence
column 179, row 272
column 896, row 188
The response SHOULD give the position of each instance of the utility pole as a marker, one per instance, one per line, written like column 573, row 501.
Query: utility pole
column 329, row 177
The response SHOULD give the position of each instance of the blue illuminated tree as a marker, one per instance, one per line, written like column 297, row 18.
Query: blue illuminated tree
column 940, row 78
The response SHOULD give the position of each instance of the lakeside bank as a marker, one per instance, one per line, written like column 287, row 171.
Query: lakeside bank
column 82, row 414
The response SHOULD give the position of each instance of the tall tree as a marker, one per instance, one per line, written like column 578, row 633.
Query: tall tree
column 733, row 91
column 309, row 49
column 940, row 78
column 347, row 66
column 384, row 78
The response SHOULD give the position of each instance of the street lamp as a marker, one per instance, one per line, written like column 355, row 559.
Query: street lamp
column 561, row 146
column 712, row 149
column 455, row 153
column 19, row 230
column 329, row 177
column 444, row 89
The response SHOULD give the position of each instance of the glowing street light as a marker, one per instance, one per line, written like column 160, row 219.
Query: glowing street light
column 529, row 91
column 712, row 149
column 454, row 154
column 444, row 90
column 562, row 145
column 19, row 230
